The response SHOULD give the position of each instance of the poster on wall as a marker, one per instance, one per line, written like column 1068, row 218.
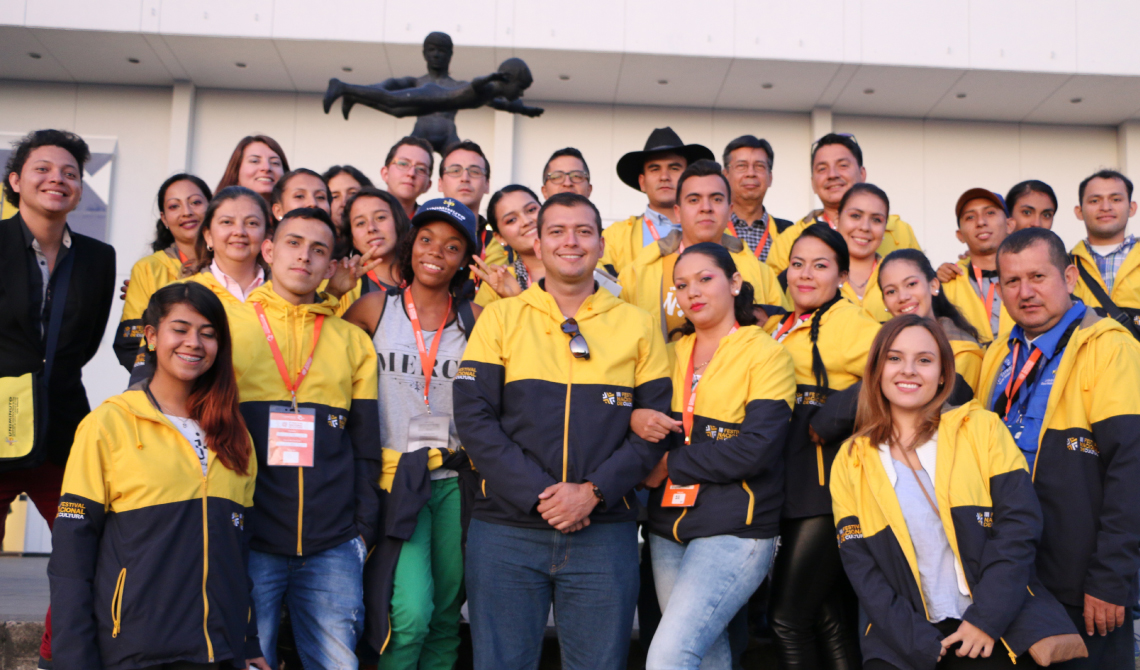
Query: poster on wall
column 92, row 216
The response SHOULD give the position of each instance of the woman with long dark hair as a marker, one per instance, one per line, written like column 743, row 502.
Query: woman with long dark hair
column 1031, row 204
column 299, row 188
column 182, row 202
column 150, row 552
column 863, row 215
column 512, row 213
column 229, row 241
column 372, row 227
column 714, row 508
column 256, row 163
column 828, row 338
column 938, row 522
column 344, row 182
column 427, row 322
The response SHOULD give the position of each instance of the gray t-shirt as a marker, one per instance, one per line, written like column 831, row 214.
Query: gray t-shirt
column 193, row 434
column 401, row 378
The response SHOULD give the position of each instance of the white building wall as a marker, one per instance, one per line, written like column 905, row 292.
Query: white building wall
column 922, row 164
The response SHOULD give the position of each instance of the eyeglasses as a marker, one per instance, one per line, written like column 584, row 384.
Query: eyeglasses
column 743, row 167
column 578, row 346
column 473, row 171
column 576, row 176
column 420, row 169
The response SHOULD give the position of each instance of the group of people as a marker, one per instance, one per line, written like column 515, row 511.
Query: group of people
column 360, row 411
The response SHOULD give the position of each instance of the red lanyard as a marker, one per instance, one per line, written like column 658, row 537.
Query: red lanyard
column 1012, row 386
column 787, row 325
column 182, row 256
column 426, row 357
column 691, row 393
column 763, row 238
column 281, row 367
column 989, row 293
column 652, row 228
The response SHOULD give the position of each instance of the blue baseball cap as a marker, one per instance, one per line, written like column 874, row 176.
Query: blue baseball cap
column 450, row 210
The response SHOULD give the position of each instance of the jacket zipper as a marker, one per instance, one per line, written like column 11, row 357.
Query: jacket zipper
column 205, row 573
column 117, row 603
column 298, row 331
column 566, row 417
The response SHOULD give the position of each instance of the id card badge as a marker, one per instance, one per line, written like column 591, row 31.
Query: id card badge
column 679, row 496
column 428, row 431
column 291, row 436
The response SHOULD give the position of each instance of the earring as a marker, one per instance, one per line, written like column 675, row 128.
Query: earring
column 936, row 293
column 736, row 293
column 150, row 347
column 209, row 248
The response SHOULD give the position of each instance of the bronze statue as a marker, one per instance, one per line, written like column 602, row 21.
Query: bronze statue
column 435, row 97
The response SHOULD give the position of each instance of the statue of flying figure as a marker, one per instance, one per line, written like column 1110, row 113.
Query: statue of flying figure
column 435, row 97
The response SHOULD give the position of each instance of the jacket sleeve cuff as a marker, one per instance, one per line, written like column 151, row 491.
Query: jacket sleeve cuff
column 252, row 650
column 974, row 616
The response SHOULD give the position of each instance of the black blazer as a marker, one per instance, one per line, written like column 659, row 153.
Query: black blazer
column 89, row 298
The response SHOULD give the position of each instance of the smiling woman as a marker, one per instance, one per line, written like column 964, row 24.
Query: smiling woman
column 257, row 163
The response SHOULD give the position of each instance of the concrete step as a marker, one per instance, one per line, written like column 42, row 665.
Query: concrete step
column 20, row 644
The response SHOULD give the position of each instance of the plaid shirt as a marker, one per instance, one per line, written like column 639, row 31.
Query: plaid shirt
column 750, row 233
column 1110, row 263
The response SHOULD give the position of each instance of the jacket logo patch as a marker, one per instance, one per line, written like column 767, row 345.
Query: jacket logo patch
column 986, row 519
column 1085, row 445
column 718, row 433
column 132, row 331
column 238, row 520
column 813, row 398
column 618, row 398
column 851, row 531
column 338, row 421
column 72, row 510
column 467, row 374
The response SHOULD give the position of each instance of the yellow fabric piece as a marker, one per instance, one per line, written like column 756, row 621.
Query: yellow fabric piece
column 645, row 281
column 968, row 357
column 845, row 335
column 19, row 413
column 496, row 253
column 748, row 365
column 973, row 447
column 623, row 243
column 961, row 293
column 147, row 276
column 899, row 235
column 1125, row 288
column 872, row 300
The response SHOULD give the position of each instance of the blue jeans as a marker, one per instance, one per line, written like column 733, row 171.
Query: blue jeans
column 325, row 596
column 513, row 575
column 701, row 586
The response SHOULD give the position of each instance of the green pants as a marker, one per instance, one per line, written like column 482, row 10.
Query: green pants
column 428, row 588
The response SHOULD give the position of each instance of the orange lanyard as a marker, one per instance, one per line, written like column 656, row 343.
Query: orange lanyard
column 691, row 393
column 652, row 228
column 1012, row 386
column 376, row 280
column 426, row 357
column 787, row 325
column 281, row 367
column 763, row 238
column 182, row 256
column 989, row 293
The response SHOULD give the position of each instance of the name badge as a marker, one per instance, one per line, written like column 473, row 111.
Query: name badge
column 291, row 436
column 428, row 431
column 679, row 496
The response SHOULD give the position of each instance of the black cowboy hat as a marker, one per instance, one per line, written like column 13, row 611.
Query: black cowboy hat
column 661, row 140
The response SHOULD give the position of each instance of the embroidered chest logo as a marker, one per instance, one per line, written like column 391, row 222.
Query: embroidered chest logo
column 813, row 398
column 132, row 331
column 238, row 519
column 719, row 433
column 71, row 510
column 618, row 398
column 1085, row 445
column 986, row 519
column 466, row 374
column 338, row 421
column 851, row 531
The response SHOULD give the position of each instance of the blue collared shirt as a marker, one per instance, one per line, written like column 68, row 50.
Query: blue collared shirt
column 1026, row 417
column 663, row 224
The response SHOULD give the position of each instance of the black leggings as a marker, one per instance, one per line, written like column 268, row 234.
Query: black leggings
column 998, row 657
column 810, row 602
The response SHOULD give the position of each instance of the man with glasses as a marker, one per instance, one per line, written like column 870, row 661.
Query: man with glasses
column 566, row 172
column 465, row 175
column 407, row 171
column 837, row 165
column 748, row 164
column 654, row 171
column 543, row 400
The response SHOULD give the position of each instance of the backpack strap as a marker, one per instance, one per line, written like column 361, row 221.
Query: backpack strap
column 1114, row 312
column 466, row 317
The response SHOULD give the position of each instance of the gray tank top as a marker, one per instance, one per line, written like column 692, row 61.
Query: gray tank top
column 401, row 378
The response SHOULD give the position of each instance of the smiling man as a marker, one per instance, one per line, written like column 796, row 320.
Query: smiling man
column 703, row 208
column 837, row 165
column 57, row 291
column 1107, row 259
column 543, row 401
column 983, row 225
column 1064, row 382
column 748, row 164
column 654, row 171
column 465, row 175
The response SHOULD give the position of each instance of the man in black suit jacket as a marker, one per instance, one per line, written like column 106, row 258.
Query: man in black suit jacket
column 45, row 180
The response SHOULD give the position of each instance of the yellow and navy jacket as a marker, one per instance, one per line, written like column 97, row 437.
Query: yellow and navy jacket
column 960, row 291
column 531, row 415
column 992, row 520
column 845, row 335
column 623, row 244
column 149, row 556
column 1125, row 288
column 302, row 511
column 872, row 299
column 643, row 282
column 736, row 452
column 147, row 276
column 1087, row 464
column 968, row 354
column 899, row 235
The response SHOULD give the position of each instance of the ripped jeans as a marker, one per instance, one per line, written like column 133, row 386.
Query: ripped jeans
column 325, row 596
